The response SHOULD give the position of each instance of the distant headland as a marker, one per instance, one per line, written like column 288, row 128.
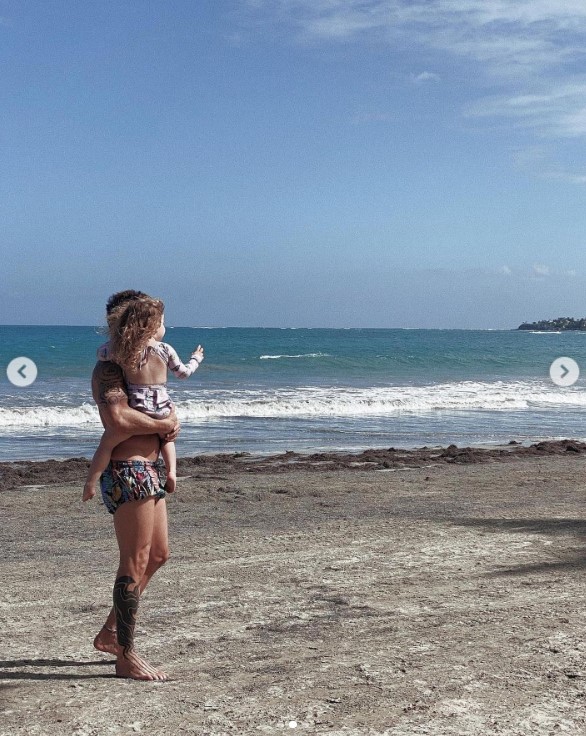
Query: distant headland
column 555, row 325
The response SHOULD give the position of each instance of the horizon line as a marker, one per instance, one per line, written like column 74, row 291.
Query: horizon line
column 273, row 327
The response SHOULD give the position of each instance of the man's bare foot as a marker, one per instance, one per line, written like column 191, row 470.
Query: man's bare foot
column 106, row 641
column 136, row 668
column 171, row 484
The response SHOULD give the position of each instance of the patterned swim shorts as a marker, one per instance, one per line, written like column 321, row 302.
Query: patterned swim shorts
column 131, row 480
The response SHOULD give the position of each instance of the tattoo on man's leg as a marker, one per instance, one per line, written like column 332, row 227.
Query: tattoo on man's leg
column 126, row 607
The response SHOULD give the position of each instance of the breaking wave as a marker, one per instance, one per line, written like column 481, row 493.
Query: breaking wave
column 304, row 355
column 335, row 401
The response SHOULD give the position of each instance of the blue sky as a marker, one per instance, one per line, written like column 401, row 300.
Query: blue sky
column 379, row 163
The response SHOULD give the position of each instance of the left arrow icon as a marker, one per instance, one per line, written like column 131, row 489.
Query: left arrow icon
column 21, row 371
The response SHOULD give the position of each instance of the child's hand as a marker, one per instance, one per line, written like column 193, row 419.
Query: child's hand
column 198, row 353
column 171, row 484
column 88, row 492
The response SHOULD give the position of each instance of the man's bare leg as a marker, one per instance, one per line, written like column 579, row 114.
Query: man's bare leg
column 129, row 663
column 134, row 525
column 106, row 639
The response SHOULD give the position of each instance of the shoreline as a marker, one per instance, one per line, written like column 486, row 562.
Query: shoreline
column 22, row 473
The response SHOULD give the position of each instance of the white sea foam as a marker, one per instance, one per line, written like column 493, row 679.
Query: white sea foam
column 355, row 402
column 49, row 416
column 304, row 355
column 324, row 402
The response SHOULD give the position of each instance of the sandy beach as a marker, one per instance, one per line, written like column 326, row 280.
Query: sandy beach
column 428, row 592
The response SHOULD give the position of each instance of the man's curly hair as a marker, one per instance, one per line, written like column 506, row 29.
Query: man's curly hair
column 123, row 296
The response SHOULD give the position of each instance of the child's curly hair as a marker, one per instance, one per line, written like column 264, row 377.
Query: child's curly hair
column 131, row 325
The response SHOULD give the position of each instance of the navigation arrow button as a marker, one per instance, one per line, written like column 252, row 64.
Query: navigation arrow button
column 21, row 371
column 564, row 371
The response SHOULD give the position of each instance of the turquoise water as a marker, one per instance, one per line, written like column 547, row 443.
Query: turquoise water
column 270, row 390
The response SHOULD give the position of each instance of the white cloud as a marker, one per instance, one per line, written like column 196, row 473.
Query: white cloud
column 539, row 161
column 505, row 270
column 561, row 175
column 525, row 33
column 531, row 51
column 539, row 270
column 557, row 111
column 426, row 77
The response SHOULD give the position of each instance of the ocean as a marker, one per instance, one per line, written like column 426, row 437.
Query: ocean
column 272, row 390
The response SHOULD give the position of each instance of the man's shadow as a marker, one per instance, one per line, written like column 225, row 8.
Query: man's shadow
column 26, row 674
column 572, row 558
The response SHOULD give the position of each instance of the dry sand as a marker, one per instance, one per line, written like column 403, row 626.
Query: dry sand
column 312, row 597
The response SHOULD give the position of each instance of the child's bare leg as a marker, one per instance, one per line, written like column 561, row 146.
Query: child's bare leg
column 100, row 462
column 169, row 454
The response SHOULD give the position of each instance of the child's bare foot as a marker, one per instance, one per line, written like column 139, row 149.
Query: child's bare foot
column 136, row 668
column 106, row 641
column 89, row 491
column 171, row 483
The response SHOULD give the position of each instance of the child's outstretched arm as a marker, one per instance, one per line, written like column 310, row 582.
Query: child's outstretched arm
column 179, row 369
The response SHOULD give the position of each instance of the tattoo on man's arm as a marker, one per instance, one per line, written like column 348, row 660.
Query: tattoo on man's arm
column 110, row 383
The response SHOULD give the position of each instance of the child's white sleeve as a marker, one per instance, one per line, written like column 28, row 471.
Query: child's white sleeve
column 179, row 369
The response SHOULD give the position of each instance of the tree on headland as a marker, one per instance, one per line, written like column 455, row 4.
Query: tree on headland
column 555, row 325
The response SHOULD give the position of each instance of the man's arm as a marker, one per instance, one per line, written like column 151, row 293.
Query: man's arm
column 110, row 395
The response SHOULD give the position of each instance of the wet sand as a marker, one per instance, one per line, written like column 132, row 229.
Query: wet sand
column 427, row 592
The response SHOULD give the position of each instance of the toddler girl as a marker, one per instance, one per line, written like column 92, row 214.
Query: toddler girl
column 136, row 329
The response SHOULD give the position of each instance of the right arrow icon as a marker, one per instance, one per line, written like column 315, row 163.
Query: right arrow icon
column 564, row 371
